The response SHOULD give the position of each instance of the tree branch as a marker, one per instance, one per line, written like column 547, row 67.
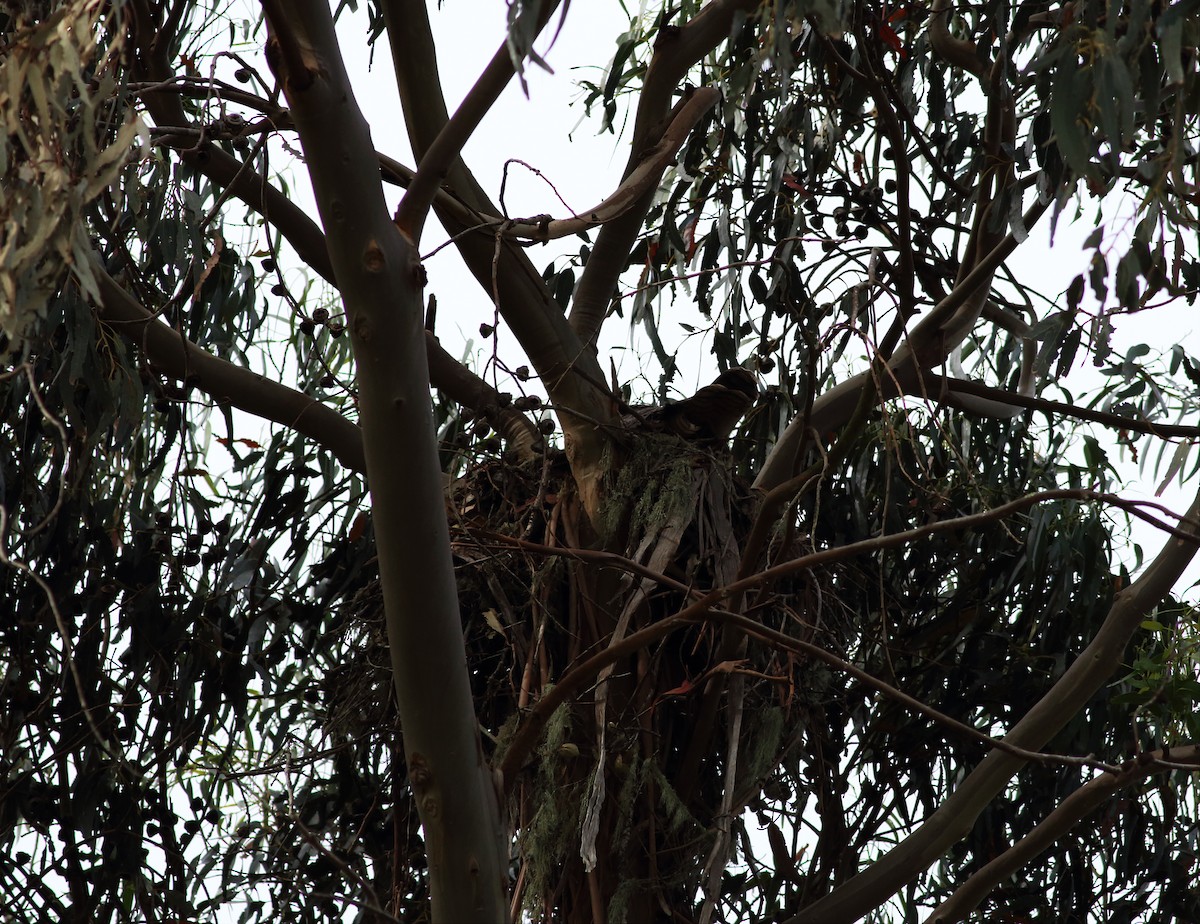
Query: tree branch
column 166, row 109
column 466, row 389
column 175, row 355
column 305, row 236
column 380, row 278
column 953, row 820
column 434, row 163
column 623, row 198
column 945, row 388
column 570, row 372
column 1073, row 809
column 958, row 52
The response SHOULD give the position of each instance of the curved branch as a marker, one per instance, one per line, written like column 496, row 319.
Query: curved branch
column 954, row 819
column 182, row 360
column 161, row 95
column 959, row 52
column 308, row 240
column 161, row 91
column 1073, row 809
column 205, row 88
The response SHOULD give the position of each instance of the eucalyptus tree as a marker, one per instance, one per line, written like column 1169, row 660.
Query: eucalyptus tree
column 854, row 631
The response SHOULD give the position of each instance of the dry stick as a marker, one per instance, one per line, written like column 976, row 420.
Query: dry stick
column 578, row 679
column 1073, row 809
column 956, row 816
column 731, row 648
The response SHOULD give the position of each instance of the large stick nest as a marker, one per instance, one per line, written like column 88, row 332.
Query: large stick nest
column 635, row 774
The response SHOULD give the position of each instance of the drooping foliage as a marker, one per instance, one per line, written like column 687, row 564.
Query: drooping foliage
column 821, row 620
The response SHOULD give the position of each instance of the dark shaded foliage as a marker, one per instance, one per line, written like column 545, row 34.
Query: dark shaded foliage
column 195, row 704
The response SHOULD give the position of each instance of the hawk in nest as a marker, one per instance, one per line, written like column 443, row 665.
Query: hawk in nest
column 708, row 416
